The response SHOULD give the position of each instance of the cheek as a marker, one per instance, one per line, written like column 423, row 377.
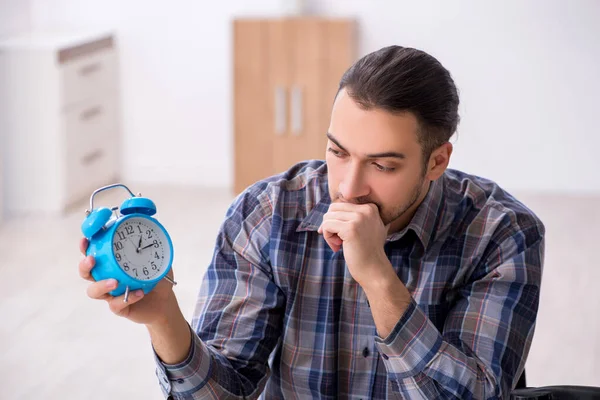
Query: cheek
column 394, row 189
column 335, row 170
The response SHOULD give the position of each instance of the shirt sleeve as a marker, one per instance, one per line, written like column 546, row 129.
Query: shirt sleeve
column 237, row 320
column 486, row 336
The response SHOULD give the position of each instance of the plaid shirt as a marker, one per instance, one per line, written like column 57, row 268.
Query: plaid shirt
column 279, row 315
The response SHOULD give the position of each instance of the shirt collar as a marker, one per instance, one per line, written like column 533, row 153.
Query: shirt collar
column 423, row 222
column 426, row 218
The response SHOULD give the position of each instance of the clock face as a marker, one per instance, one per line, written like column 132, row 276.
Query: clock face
column 141, row 248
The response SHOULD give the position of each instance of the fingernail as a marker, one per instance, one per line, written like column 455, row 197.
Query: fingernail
column 139, row 293
column 111, row 283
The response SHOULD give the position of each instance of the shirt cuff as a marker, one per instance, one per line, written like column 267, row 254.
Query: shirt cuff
column 188, row 376
column 411, row 346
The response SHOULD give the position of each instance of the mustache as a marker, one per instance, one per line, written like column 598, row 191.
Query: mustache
column 358, row 200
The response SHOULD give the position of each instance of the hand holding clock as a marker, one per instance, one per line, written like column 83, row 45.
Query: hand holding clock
column 158, row 306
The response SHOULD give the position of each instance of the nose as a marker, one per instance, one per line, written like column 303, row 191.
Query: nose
column 353, row 184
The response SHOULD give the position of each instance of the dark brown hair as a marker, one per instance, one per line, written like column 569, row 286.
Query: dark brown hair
column 401, row 79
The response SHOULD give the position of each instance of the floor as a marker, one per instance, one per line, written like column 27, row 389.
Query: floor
column 56, row 343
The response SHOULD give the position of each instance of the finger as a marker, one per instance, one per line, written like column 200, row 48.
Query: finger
column 359, row 208
column 118, row 306
column 334, row 243
column 333, row 238
column 341, row 215
column 83, row 245
column 85, row 268
column 331, row 233
column 333, row 226
column 100, row 290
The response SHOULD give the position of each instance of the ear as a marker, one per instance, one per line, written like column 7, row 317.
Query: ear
column 438, row 161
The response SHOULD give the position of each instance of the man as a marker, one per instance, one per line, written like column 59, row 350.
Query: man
column 378, row 273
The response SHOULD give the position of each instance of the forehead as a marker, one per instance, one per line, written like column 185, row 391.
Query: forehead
column 373, row 130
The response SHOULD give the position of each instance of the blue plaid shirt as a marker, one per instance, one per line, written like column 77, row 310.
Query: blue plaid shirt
column 279, row 316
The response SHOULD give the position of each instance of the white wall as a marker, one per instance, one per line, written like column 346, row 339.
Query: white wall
column 528, row 76
column 526, row 72
column 15, row 16
column 176, row 86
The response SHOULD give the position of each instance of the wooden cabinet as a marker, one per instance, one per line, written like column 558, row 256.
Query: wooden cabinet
column 59, row 119
column 286, row 74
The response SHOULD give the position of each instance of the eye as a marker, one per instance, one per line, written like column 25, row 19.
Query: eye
column 336, row 153
column 382, row 168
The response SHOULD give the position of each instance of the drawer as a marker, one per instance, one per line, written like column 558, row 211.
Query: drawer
column 87, row 74
column 90, row 124
column 92, row 147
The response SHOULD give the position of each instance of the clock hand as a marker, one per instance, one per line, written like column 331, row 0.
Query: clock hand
column 145, row 247
column 139, row 245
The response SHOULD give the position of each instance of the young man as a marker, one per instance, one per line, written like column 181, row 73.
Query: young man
column 378, row 273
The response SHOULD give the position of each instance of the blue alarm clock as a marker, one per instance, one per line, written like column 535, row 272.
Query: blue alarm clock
column 128, row 243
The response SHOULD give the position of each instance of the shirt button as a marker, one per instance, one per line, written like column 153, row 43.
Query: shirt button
column 366, row 352
column 385, row 357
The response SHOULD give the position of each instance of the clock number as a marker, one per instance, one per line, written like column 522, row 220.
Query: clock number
column 156, row 255
column 121, row 235
column 146, row 272
column 126, row 266
column 129, row 229
column 154, row 267
column 155, row 243
column 139, row 229
column 118, row 256
column 149, row 233
column 135, row 270
column 118, row 246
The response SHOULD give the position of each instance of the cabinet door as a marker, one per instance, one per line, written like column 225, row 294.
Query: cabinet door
column 252, row 127
column 319, row 51
column 305, row 105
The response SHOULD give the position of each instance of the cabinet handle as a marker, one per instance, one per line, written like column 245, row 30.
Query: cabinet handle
column 91, row 157
column 90, row 113
column 296, row 110
column 89, row 69
column 280, row 114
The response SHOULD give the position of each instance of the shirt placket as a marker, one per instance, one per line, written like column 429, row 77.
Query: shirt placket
column 359, row 341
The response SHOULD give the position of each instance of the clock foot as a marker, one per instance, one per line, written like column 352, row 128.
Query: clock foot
column 126, row 297
column 170, row 280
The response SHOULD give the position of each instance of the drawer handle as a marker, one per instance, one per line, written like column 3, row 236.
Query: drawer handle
column 93, row 156
column 90, row 113
column 89, row 69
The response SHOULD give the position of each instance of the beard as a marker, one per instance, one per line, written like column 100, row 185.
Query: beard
column 391, row 213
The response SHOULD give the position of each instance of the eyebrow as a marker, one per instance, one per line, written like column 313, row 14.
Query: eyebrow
column 387, row 154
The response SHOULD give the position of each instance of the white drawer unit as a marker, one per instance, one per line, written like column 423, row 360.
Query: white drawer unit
column 60, row 130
